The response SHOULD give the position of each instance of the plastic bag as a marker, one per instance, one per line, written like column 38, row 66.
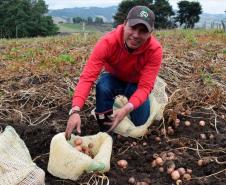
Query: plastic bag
column 16, row 165
column 67, row 162
column 158, row 100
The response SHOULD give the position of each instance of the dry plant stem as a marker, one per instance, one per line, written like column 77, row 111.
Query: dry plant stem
column 224, row 107
column 39, row 156
column 199, row 178
column 215, row 119
column 174, row 93
column 97, row 180
column 120, row 153
column 218, row 162
column 197, row 145
column 164, row 127
column 196, row 142
column 45, row 117
column 200, row 150
column 199, row 117
column 20, row 113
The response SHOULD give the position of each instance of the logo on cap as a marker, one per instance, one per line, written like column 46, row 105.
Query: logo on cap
column 143, row 14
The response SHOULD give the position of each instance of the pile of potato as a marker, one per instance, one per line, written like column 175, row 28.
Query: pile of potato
column 165, row 162
column 82, row 148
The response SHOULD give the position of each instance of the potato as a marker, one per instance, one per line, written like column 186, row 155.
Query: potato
column 170, row 170
column 78, row 141
column 157, row 139
column 179, row 182
column 153, row 164
column 159, row 161
column 187, row 177
column 202, row 123
column 161, row 169
column 187, row 112
column 175, row 175
column 187, row 123
column 181, row 171
column 200, row 162
column 203, row 136
column 131, row 180
column 79, row 148
column 122, row 164
column 189, row 171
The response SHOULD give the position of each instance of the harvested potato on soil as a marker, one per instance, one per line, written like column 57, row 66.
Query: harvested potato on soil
column 131, row 180
column 187, row 123
column 175, row 175
column 122, row 164
column 202, row 123
column 187, row 177
column 159, row 161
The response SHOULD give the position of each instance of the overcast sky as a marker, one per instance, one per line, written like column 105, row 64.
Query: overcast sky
column 209, row 6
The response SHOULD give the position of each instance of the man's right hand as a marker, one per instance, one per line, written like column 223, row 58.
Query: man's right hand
column 73, row 121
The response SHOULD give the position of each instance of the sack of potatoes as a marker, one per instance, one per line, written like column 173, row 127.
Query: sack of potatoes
column 68, row 159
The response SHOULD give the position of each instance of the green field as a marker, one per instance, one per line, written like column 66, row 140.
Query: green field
column 71, row 28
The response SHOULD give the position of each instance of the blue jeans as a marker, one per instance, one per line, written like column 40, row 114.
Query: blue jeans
column 108, row 87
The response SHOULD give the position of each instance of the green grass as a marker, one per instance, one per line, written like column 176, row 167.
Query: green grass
column 67, row 27
column 66, row 58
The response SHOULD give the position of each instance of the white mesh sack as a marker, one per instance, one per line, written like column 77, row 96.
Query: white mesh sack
column 66, row 162
column 16, row 165
column 158, row 100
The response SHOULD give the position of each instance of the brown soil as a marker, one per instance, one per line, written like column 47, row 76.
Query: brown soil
column 183, row 143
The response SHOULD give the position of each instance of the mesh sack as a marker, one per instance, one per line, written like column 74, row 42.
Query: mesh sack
column 66, row 162
column 16, row 165
column 158, row 100
column 35, row 177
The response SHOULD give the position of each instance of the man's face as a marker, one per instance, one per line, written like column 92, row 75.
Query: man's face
column 135, row 36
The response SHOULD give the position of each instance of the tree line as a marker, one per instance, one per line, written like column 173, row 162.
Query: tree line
column 186, row 16
column 165, row 17
column 89, row 20
column 25, row 18
column 28, row 18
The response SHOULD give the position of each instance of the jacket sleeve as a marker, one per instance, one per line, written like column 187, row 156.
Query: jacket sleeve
column 90, row 73
column 147, row 78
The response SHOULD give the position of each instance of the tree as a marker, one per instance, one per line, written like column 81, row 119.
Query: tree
column 14, row 19
column 188, row 13
column 163, row 13
column 162, row 9
column 89, row 20
column 124, row 8
column 99, row 20
column 77, row 20
column 41, row 25
column 25, row 18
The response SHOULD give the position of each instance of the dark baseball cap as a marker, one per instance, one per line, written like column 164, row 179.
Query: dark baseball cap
column 141, row 15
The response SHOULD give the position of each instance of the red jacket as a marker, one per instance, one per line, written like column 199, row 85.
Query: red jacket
column 141, row 66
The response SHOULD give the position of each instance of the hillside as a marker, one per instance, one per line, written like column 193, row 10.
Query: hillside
column 105, row 13
column 207, row 19
column 108, row 12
